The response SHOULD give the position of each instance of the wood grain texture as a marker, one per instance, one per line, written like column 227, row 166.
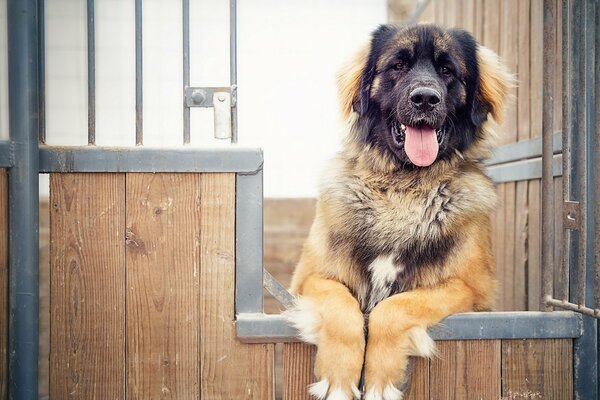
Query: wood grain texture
column 537, row 369
column 498, row 243
column 509, row 54
column 163, row 220
column 418, row 386
column 521, row 254
column 509, row 246
column 534, row 279
column 468, row 369
column 3, row 283
column 297, row 370
column 229, row 368
column 87, row 289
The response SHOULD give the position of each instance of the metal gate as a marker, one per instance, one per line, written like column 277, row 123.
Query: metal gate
column 25, row 156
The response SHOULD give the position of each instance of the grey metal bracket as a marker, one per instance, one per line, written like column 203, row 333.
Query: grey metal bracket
column 572, row 215
column 277, row 290
column 204, row 96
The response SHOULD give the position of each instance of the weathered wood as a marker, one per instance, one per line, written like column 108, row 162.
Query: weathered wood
column 537, row 369
column 418, row 386
column 509, row 54
column 491, row 25
column 534, row 281
column 229, row 369
column 498, row 240
column 509, row 246
column 297, row 370
column 3, row 283
column 561, row 278
column 467, row 369
column 87, row 294
column 163, row 261
column 521, row 254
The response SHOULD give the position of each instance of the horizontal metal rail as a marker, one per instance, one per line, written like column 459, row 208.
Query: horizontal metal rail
column 523, row 170
column 143, row 159
column 265, row 328
column 522, row 150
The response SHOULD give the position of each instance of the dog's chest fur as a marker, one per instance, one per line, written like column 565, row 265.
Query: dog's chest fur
column 398, row 236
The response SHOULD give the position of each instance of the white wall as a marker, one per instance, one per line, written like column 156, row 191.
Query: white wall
column 288, row 55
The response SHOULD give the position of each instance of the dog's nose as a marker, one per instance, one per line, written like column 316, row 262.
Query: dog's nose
column 425, row 98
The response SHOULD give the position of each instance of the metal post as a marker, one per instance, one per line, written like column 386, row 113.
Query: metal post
column 91, row 68
column 547, row 154
column 23, row 199
column 233, row 67
column 139, row 82
column 186, row 69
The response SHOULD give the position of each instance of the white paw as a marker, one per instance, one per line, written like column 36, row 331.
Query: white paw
column 422, row 344
column 319, row 391
column 390, row 392
column 304, row 317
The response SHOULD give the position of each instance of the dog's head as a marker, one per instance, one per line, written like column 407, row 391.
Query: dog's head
column 422, row 92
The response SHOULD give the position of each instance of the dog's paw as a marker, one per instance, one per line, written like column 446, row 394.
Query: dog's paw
column 304, row 317
column 321, row 391
column 422, row 344
column 389, row 392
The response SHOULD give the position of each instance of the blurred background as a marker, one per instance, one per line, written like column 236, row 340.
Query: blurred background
column 288, row 55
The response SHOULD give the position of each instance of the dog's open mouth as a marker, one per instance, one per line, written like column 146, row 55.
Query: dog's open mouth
column 421, row 143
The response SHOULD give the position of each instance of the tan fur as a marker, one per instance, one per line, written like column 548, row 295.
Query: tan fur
column 451, row 198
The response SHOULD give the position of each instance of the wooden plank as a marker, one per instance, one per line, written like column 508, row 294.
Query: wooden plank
column 561, row 286
column 508, row 45
column 428, row 13
column 418, row 386
column 537, row 369
column 458, row 372
column 440, row 12
column 87, row 288
column 468, row 22
column 297, row 370
column 557, row 121
column 509, row 246
column 163, row 219
column 535, row 65
column 534, row 280
column 523, row 92
column 491, row 24
column 229, row 369
column 478, row 20
column 521, row 255
column 499, row 236
column 3, row 284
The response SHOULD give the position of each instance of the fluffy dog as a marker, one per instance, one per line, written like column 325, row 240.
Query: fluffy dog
column 401, row 237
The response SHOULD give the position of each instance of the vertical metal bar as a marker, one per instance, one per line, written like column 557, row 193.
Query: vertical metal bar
column 233, row 67
column 567, row 78
column 139, row 99
column 581, row 27
column 249, row 243
column 23, row 199
column 186, row 69
column 42, row 69
column 547, row 154
column 91, row 67
column 596, row 163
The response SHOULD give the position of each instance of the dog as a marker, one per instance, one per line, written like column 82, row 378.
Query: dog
column 401, row 236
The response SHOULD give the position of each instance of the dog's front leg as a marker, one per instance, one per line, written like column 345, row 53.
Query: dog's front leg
column 397, row 330
column 326, row 314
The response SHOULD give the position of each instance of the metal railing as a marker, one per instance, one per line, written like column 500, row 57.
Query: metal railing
column 578, row 273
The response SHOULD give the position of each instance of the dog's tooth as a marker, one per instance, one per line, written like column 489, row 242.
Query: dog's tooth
column 402, row 126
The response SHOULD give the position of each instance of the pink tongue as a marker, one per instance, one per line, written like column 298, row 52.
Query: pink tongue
column 421, row 145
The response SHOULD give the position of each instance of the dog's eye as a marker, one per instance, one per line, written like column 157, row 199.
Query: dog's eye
column 399, row 66
column 445, row 71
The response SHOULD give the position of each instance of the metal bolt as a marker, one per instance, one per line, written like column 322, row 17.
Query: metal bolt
column 198, row 96
column 221, row 97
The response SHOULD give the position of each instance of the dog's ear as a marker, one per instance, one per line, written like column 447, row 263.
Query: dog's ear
column 356, row 78
column 493, row 86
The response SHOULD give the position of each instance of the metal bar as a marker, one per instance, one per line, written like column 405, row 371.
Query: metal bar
column 186, row 69
column 23, row 100
column 567, row 77
column 565, row 305
column 142, row 159
column 6, row 154
column 233, row 67
column 91, row 69
column 42, row 69
column 584, row 66
column 264, row 328
column 523, row 170
column 525, row 149
column 139, row 78
column 596, row 163
column 277, row 290
column 249, row 243
column 547, row 159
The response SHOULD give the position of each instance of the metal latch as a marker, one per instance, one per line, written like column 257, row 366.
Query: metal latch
column 572, row 215
column 221, row 99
